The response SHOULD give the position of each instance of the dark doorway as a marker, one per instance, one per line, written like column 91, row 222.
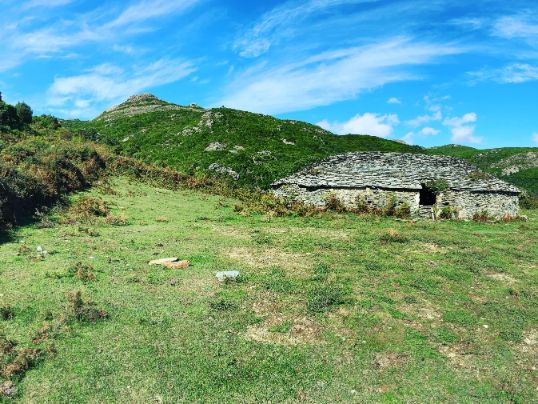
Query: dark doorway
column 427, row 196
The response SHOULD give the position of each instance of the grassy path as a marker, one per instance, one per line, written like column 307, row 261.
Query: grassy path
column 328, row 309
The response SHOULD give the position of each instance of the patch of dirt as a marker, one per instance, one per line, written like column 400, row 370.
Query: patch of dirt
column 270, row 257
column 424, row 310
column 459, row 355
column 432, row 248
column 315, row 231
column 303, row 331
column 530, row 337
column 389, row 360
column 232, row 231
column 502, row 278
column 281, row 326
column 8, row 389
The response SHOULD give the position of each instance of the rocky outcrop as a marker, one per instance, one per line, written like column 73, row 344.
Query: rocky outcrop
column 223, row 170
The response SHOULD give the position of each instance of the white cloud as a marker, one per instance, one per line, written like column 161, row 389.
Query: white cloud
column 148, row 9
column 535, row 137
column 511, row 74
column 460, row 121
column 366, row 124
column 422, row 119
column 428, row 131
column 45, row 3
column 462, row 128
column 469, row 23
column 517, row 26
column 394, row 100
column 281, row 22
column 87, row 28
column 330, row 76
column 108, row 83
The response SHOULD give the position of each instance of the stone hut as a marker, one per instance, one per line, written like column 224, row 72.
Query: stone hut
column 429, row 186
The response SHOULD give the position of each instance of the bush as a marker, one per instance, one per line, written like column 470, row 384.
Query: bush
column 333, row 203
column 403, row 211
column 437, row 185
column 83, row 311
column 483, row 217
column 24, row 112
column 528, row 201
column 446, row 213
column 35, row 173
column 89, row 207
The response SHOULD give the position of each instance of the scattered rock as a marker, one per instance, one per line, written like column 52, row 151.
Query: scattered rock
column 163, row 261
column 215, row 147
column 224, row 170
column 237, row 149
column 172, row 263
column 8, row 389
column 386, row 360
column 288, row 142
column 227, row 275
column 177, row 265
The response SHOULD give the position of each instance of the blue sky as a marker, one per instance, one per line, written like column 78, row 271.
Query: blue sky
column 430, row 72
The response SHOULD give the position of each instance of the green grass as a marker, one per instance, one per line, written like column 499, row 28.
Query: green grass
column 328, row 308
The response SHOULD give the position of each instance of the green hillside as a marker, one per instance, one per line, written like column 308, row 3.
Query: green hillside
column 517, row 165
column 254, row 149
column 251, row 148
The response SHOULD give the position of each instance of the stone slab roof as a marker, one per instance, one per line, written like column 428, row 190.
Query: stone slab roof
column 395, row 171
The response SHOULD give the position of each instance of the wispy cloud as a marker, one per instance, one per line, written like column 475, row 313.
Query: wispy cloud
column 80, row 95
column 535, row 137
column 330, row 76
column 523, row 26
column 45, row 3
column 511, row 74
column 22, row 42
column 394, row 100
column 282, row 22
column 366, row 124
column 148, row 9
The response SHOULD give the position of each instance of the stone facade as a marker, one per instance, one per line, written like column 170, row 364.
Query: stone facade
column 375, row 180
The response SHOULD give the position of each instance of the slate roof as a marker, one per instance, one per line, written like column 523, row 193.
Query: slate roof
column 395, row 171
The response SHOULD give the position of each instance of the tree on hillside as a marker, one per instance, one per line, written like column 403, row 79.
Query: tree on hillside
column 8, row 115
column 24, row 112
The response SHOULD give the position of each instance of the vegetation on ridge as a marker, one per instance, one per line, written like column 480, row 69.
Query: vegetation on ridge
column 254, row 149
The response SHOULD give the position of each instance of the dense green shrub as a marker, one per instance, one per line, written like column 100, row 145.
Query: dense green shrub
column 36, row 172
column 24, row 112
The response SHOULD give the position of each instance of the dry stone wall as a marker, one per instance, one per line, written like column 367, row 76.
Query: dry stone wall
column 466, row 204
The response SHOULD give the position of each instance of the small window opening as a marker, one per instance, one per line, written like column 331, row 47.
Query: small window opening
column 427, row 196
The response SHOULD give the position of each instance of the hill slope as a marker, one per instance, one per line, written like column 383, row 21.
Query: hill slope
column 251, row 148
column 256, row 149
column 517, row 165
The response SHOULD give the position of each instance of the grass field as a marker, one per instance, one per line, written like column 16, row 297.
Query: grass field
column 331, row 308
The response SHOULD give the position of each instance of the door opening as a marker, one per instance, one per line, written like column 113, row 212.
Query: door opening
column 427, row 196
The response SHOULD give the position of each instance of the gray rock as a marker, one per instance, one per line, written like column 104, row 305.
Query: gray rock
column 223, row 170
column 226, row 275
column 215, row 147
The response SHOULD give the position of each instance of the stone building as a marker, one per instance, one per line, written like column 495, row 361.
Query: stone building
column 429, row 186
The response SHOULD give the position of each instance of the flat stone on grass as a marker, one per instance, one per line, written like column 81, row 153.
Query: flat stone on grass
column 227, row 275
